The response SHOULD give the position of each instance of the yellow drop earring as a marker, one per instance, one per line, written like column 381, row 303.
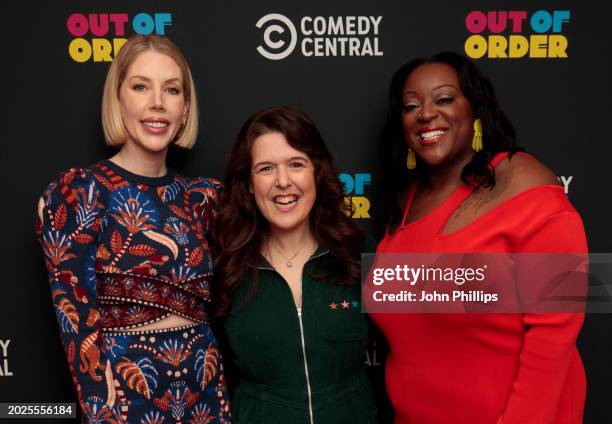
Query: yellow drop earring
column 477, row 145
column 410, row 159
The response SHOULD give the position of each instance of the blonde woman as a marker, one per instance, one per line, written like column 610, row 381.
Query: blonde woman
column 126, row 244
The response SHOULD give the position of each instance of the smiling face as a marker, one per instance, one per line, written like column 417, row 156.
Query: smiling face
column 436, row 116
column 282, row 182
column 152, row 102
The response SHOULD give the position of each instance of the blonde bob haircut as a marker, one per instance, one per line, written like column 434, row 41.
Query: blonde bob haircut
column 115, row 132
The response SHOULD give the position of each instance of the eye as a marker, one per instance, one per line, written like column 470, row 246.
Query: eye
column 139, row 87
column 264, row 169
column 297, row 165
column 408, row 107
column 444, row 100
column 173, row 90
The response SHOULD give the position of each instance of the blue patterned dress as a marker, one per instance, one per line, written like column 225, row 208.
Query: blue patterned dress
column 123, row 251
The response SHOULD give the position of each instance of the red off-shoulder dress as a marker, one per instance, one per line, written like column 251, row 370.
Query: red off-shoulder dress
column 488, row 368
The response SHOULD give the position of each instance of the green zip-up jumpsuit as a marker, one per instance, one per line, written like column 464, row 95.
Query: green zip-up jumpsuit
column 300, row 366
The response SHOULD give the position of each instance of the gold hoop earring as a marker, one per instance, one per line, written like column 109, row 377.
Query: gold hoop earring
column 477, row 144
column 411, row 159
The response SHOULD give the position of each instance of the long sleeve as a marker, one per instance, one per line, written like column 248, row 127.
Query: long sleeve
column 541, row 392
column 211, row 192
column 68, row 226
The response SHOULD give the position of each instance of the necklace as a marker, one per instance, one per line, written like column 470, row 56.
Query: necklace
column 289, row 260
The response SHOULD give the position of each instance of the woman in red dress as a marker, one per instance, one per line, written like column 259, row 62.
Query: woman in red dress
column 464, row 187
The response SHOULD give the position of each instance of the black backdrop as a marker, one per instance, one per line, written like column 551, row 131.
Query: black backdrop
column 559, row 105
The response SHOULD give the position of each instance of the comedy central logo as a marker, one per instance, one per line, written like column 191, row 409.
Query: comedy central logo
column 4, row 366
column 320, row 36
column 279, row 24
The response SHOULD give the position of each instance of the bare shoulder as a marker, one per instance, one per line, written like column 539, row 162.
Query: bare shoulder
column 512, row 177
column 522, row 172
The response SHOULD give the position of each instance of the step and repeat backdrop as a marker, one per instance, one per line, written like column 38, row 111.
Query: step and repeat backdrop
column 549, row 62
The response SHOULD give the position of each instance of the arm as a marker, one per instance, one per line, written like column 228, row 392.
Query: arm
column 214, row 195
column 212, row 191
column 549, row 341
column 67, row 226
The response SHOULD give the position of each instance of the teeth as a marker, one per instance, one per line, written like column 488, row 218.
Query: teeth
column 285, row 200
column 429, row 135
column 155, row 124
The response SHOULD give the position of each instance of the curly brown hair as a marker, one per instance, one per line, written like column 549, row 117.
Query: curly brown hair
column 241, row 228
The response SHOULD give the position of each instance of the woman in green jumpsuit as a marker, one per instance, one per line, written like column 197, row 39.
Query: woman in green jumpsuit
column 287, row 280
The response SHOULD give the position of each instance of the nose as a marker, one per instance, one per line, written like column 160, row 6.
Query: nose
column 157, row 100
column 427, row 112
column 282, row 177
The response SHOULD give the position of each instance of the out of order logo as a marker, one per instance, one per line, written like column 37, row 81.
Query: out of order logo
column 278, row 24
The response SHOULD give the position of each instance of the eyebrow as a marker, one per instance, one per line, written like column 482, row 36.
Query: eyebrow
column 149, row 79
column 433, row 89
